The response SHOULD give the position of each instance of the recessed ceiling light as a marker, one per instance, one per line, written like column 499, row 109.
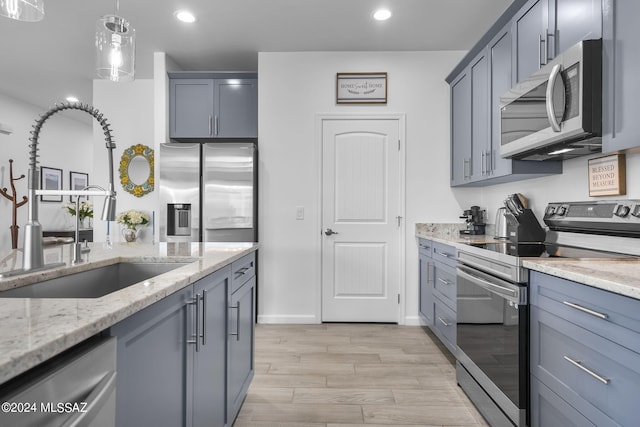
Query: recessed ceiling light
column 382, row 14
column 72, row 99
column 185, row 16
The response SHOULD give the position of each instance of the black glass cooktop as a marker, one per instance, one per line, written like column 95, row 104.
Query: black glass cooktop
column 543, row 250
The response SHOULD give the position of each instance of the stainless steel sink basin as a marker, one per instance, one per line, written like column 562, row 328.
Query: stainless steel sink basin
column 93, row 283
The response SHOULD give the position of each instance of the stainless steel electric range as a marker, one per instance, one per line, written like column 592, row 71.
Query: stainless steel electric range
column 492, row 298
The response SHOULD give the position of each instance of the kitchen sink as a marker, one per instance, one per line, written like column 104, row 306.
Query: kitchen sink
column 93, row 283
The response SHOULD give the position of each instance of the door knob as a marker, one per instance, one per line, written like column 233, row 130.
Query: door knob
column 329, row 232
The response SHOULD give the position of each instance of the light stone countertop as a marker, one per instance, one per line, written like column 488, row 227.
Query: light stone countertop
column 621, row 275
column 33, row 330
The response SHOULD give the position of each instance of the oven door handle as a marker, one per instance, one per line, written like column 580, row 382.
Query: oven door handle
column 485, row 284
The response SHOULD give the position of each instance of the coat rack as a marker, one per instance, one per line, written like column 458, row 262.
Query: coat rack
column 14, row 227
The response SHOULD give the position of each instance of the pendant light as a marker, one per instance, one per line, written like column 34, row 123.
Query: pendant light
column 115, row 48
column 23, row 10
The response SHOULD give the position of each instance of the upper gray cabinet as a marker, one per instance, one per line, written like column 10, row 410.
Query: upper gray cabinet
column 205, row 106
column 621, row 67
column 545, row 28
column 461, row 129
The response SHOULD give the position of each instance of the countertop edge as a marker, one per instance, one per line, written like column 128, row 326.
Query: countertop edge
column 21, row 360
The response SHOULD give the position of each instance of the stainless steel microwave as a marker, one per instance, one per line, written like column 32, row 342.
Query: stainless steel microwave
column 557, row 112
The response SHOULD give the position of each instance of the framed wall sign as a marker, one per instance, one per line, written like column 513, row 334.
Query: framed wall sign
column 50, row 179
column 608, row 176
column 77, row 181
column 361, row 88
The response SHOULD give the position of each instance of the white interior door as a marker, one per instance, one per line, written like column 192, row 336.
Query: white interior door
column 361, row 206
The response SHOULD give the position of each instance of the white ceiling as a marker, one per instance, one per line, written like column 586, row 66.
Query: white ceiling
column 43, row 62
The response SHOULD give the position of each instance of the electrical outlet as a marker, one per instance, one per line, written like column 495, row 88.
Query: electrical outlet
column 299, row 212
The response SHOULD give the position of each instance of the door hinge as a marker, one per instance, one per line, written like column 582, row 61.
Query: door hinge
column 398, row 145
column 398, row 298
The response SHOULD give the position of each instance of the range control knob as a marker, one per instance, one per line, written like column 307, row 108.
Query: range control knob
column 551, row 210
column 622, row 211
column 561, row 210
column 636, row 211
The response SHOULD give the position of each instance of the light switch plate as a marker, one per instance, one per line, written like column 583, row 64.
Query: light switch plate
column 299, row 212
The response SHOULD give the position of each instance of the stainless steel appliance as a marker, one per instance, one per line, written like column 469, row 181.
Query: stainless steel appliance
column 557, row 112
column 76, row 388
column 500, row 224
column 492, row 303
column 208, row 192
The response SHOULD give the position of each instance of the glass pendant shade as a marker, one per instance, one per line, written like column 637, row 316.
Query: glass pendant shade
column 23, row 10
column 115, row 49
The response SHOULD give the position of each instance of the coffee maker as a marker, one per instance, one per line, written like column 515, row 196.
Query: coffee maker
column 475, row 219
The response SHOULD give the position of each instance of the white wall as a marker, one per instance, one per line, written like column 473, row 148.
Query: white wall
column 129, row 108
column 572, row 185
column 65, row 143
column 293, row 89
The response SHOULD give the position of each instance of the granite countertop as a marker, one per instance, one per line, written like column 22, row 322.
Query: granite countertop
column 618, row 275
column 33, row 330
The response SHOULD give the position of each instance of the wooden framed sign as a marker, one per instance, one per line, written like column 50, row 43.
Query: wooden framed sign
column 608, row 176
column 361, row 88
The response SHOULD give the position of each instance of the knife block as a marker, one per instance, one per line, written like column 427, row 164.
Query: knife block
column 524, row 227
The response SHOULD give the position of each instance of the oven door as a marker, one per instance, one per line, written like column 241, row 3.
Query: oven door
column 492, row 338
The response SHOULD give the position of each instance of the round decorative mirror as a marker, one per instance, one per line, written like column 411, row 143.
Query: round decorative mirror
column 136, row 170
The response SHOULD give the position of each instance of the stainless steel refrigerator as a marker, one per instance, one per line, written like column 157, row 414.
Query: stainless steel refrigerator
column 208, row 192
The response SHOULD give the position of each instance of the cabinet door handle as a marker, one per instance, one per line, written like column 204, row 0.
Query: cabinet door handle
column 540, row 42
column 578, row 364
column 216, row 125
column 444, row 322
column 204, row 317
column 241, row 272
column 597, row 314
column 444, row 254
column 210, row 124
column 196, row 301
column 237, row 334
column 446, row 282
column 425, row 247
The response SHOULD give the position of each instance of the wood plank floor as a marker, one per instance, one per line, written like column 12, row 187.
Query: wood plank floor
column 341, row 375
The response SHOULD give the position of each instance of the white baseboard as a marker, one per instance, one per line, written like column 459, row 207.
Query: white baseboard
column 414, row 321
column 287, row 319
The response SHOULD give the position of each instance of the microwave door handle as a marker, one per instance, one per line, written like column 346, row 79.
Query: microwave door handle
column 551, row 112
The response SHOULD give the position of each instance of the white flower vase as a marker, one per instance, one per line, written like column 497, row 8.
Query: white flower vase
column 130, row 234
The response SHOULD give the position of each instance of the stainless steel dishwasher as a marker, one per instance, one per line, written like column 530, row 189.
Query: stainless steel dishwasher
column 74, row 389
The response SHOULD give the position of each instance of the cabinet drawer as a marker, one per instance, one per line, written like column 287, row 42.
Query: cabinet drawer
column 242, row 270
column 445, row 324
column 425, row 247
column 607, row 314
column 585, row 369
column 445, row 254
column 445, row 284
column 548, row 409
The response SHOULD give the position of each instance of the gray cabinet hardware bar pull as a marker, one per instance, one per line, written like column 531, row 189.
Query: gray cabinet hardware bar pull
column 425, row 247
column 237, row 333
column 242, row 271
column 204, row 317
column 216, row 125
column 446, row 282
column 195, row 341
column 210, row 124
column 444, row 322
column 586, row 310
column 578, row 364
column 444, row 254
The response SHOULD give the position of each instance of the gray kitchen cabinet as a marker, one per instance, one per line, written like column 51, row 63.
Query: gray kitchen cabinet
column 236, row 108
column 206, row 106
column 585, row 348
column 191, row 108
column 444, row 293
column 153, row 361
column 545, row 28
column 621, row 67
column 548, row 409
column 172, row 358
column 529, row 32
column 480, row 141
column 240, row 348
column 461, row 129
column 425, row 272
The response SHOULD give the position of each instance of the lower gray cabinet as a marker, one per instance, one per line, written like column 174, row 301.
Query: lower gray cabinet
column 240, row 348
column 426, row 281
column 171, row 358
